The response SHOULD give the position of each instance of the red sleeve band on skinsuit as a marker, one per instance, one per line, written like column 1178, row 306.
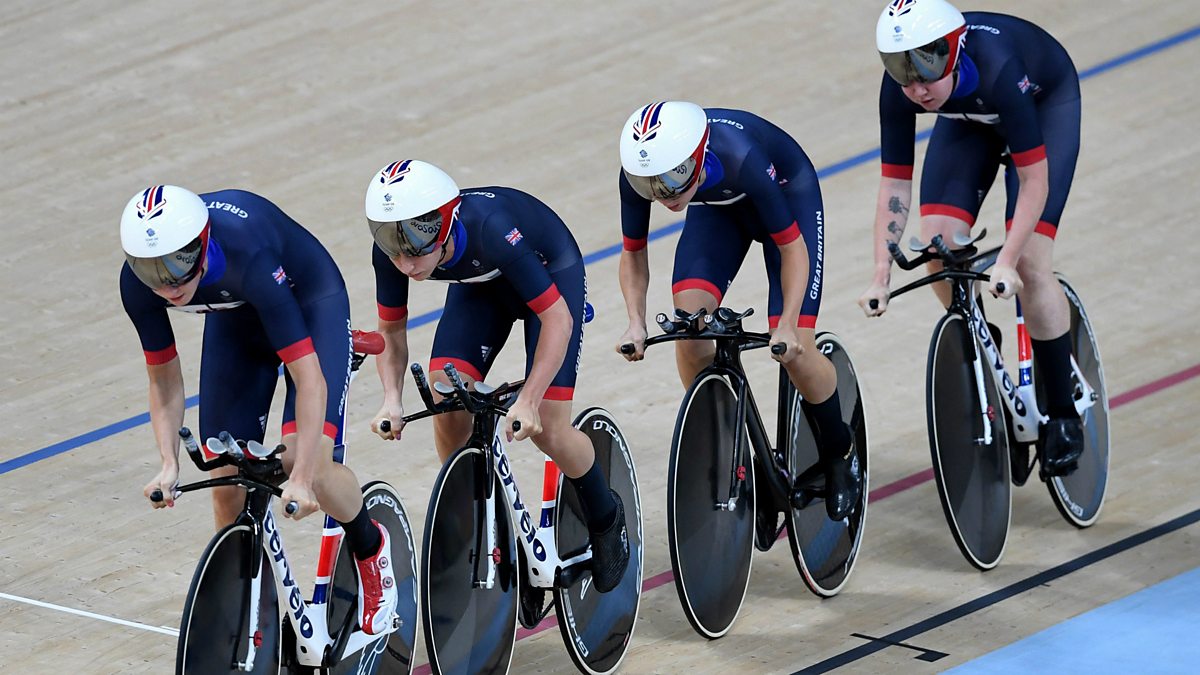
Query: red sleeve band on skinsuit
column 786, row 236
column 296, row 350
column 542, row 302
column 1029, row 156
column 392, row 313
column 161, row 356
column 633, row 244
column 901, row 171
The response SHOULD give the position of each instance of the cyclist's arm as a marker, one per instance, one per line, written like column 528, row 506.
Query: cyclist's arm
column 166, row 408
column 391, row 301
column 393, row 362
column 1028, row 150
column 310, row 415
column 634, row 272
column 891, row 217
column 635, row 284
column 1034, row 181
column 553, row 340
column 897, row 138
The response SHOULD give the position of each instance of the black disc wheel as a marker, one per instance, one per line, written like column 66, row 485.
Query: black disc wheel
column 1080, row 495
column 825, row 550
column 969, row 444
column 467, row 629
column 393, row 653
column 710, row 544
column 213, row 633
column 597, row 627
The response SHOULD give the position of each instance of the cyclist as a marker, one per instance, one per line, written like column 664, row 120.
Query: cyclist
column 1006, row 93
column 745, row 180
column 272, row 294
column 508, row 257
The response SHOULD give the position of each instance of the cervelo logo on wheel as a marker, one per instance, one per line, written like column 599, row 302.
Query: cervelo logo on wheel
column 394, row 173
column 295, row 600
column 151, row 204
column 647, row 124
column 506, row 477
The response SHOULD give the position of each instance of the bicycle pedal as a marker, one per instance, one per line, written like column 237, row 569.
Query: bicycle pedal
column 801, row 498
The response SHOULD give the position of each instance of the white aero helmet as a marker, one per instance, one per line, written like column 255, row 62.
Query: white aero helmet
column 410, row 207
column 662, row 148
column 164, row 231
column 919, row 40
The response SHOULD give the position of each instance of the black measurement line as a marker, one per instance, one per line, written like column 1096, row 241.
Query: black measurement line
column 898, row 637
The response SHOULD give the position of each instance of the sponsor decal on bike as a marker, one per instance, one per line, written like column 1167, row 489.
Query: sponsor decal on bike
column 1006, row 383
column 526, row 522
column 295, row 599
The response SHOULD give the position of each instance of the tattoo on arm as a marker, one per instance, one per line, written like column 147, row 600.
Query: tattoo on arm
column 894, row 230
column 896, row 206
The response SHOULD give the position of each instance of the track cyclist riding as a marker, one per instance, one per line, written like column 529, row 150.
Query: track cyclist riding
column 508, row 256
column 230, row 255
column 1006, row 93
column 741, row 180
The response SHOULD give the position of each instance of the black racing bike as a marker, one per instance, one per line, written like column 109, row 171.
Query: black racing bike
column 725, row 476
column 983, row 424
column 489, row 560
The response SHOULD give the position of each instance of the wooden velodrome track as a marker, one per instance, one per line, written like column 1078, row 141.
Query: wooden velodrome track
column 302, row 104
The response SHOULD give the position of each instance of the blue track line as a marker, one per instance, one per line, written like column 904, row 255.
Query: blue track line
column 595, row 256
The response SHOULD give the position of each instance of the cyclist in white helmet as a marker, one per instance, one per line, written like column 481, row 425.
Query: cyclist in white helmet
column 1006, row 93
column 230, row 256
column 741, row 180
column 508, row 258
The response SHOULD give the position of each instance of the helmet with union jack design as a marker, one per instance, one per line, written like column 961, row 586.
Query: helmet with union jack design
column 919, row 40
column 164, row 232
column 411, row 206
column 662, row 148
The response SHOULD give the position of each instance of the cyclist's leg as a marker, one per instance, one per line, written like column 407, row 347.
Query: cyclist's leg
column 812, row 372
column 1043, row 302
column 710, row 251
column 474, row 327
column 570, row 448
column 238, row 373
column 960, row 167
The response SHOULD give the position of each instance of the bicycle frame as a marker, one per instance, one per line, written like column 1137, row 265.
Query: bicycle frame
column 1020, row 398
column 308, row 618
column 543, row 562
column 727, row 362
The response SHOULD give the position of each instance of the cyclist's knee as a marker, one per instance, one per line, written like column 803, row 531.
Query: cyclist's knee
column 947, row 226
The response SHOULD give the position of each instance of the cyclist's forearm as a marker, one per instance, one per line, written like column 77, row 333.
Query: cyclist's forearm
column 166, row 407
column 635, row 283
column 891, row 217
column 393, row 362
column 793, row 275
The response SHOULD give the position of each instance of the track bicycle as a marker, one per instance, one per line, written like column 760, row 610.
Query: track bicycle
column 232, row 620
column 715, row 506
column 977, row 459
column 488, row 562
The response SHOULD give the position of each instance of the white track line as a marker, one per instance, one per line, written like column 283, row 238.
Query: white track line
column 132, row 624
